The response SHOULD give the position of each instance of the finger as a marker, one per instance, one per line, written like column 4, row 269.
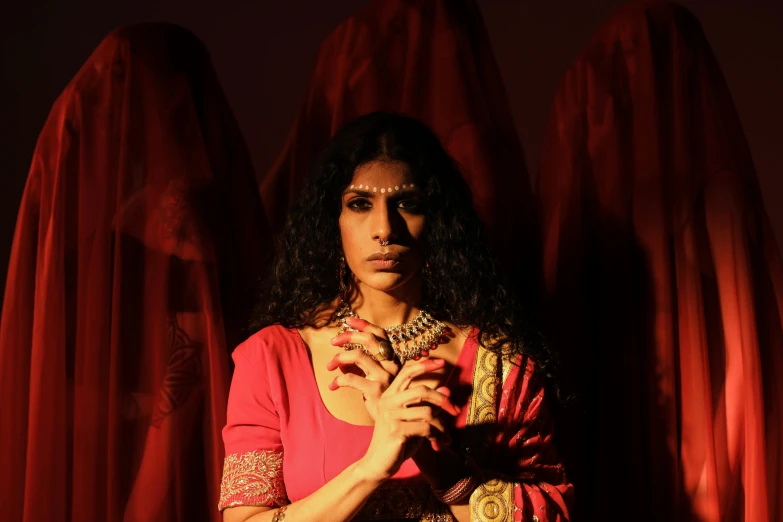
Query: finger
column 422, row 394
column 371, row 368
column 368, row 388
column 424, row 429
column 393, row 367
column 411, row 370
column 368, row 339
column 436, row 429
column 366, row 326
column 373, row 344
column 444, row 390
column 418, row 413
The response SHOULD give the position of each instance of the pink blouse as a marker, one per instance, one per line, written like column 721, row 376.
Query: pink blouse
column 275, row 410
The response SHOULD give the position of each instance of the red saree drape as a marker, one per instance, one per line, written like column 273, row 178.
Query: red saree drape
column 137, row 242
column 432, row 60
column 664, row 281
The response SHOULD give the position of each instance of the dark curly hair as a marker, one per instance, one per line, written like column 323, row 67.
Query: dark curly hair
column 463, row 284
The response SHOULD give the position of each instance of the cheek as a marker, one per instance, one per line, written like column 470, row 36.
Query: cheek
column 416, row 227
column 350, row 237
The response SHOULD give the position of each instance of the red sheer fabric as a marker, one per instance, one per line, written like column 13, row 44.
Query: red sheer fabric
column 139, row 236
column 664, row 280
column 431, row 60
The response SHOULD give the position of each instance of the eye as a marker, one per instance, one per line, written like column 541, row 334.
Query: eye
column 359, row 205
column 409, row 205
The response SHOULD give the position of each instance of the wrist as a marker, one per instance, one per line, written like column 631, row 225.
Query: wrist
column 364, row 475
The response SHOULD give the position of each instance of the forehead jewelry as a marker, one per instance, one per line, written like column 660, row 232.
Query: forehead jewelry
column 383, row 190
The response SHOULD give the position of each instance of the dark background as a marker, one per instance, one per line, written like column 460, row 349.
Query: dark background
column 263, row 52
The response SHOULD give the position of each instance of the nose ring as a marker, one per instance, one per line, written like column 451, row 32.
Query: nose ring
column 383, row 242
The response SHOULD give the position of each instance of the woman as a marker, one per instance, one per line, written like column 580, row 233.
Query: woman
column 323, row 421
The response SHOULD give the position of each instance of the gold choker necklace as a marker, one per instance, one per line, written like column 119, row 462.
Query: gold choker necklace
column 411, row 340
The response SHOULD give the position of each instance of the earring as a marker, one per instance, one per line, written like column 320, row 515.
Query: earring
column 341, row 274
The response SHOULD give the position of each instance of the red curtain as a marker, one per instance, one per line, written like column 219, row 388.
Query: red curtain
column 664, row 280
column 432, row 60
column 137, row 244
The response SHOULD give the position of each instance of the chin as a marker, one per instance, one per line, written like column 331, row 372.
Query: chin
column 386, row 281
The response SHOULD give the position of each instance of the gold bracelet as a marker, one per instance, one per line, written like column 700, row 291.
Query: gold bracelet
column 462, row 488
column 279, row 515
column 458, row 491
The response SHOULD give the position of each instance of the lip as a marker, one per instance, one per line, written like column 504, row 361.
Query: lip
column 385, row 256
column 384, row 260
column 384, row 263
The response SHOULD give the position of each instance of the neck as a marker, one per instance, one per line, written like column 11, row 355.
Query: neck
column 387, row 309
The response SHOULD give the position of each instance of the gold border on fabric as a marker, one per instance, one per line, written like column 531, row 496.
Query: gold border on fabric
column 254, row 478
column 485, row 384
column 493, row 500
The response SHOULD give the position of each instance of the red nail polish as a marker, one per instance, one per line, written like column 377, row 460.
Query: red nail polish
column 333, row 385
column 444, row 390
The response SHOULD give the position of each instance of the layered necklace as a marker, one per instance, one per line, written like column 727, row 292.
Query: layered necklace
column 411, row 340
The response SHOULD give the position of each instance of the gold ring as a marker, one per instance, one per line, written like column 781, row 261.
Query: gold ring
column 385, row 351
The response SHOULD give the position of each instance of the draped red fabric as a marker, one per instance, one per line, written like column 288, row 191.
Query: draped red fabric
column 664, row 281
column 139, row 236
column 432, row 60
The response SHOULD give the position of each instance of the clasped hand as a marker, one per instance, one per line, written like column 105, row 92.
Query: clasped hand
column 405, row 415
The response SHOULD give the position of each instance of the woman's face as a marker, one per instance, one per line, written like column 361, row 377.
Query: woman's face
column 383, row 204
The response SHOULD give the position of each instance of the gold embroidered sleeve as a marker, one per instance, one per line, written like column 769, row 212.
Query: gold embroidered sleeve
column 253, row 479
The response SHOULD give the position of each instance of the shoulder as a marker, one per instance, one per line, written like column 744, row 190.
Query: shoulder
column 460, row 334
column 267, row 342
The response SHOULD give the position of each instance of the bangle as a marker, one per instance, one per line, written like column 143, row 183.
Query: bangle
column 458, row 491
column 279, row 515
column 462, row 488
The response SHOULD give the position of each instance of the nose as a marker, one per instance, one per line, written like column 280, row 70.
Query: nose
column 382, row 228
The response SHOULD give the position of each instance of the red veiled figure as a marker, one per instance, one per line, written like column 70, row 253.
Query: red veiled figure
column 664, row 280
column 432, row 60
column 138, row 240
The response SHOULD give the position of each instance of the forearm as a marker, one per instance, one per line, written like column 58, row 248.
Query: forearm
column 339, row 499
